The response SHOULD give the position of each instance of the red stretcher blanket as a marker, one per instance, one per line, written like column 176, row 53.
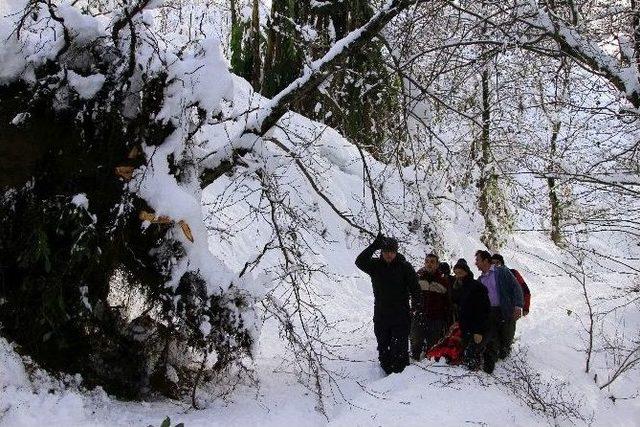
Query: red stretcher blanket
column 449, row 347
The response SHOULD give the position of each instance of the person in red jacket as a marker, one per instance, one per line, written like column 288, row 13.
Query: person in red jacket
column 498, row 259
column 430, row 324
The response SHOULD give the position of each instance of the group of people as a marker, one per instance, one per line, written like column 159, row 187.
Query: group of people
column 431, row 313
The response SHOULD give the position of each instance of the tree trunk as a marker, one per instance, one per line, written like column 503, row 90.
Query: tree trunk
column 635, row 17
column 554, row 202
column 256, row 67
column 486, row 175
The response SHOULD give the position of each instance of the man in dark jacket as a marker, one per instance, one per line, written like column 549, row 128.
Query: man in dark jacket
column 394, row 285
column 473, row 308
column 505, row 296
column 430, row 324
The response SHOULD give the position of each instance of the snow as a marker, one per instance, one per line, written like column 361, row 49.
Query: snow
column 86, row 87
column 83, row 28
column 205, row 328
column 12, row 370
column 421, row 395
column 628, row 76
column 84, row 290
column 30, row 398
column 20, row 118
column 12, row 62
column 426, row 393
column 42, row 40
column 81, row 201
column 199, row 77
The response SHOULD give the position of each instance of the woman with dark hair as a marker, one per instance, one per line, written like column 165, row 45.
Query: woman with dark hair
column 473, row 307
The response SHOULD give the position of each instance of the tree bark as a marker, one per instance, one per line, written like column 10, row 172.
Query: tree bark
column 486, row 176
column 256, row 67
column 554, row 201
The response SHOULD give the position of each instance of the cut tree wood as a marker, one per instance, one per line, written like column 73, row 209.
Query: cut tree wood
column 125, row 172
column 186, row 230
column 163, row 219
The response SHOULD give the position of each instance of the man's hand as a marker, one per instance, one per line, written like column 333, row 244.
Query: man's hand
column 517, row 313
column 377, row 243
column 477, row 338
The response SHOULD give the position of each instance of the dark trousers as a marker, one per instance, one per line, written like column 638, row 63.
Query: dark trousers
column 509, row 333
column 425, row 333
column 500, row 335
column 393, row 344
column 472, row 352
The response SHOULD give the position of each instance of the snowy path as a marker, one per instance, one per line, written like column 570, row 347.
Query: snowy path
column 415, row 397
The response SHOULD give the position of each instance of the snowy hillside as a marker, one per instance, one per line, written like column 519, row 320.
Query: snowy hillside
column 168, row 222
column 548, row 349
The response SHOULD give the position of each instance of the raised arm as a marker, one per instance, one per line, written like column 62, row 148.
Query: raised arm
column 364, row 261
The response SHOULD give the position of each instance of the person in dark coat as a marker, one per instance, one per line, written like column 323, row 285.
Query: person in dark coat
column 429, row 325
column 473, row 308
column 445, row 269
column 395, row 290
column 505, row 296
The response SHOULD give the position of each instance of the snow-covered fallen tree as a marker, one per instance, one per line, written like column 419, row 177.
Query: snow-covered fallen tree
column 113, row 127
column 98, row 115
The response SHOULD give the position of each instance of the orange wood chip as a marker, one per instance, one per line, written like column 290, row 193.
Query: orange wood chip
column 125, row 172
column 148, row 216
column 162, row 219
column 186, row 230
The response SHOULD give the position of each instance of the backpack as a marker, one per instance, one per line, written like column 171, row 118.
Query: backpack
column 526, row 293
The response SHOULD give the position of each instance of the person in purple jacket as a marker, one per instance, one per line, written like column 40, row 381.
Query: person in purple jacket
column 505, row 297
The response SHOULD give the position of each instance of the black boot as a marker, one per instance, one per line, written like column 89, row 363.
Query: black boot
column 504, row 353
column 489, row 365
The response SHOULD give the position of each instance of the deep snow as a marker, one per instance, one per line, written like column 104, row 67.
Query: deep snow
column 418, row 396
column 424, row 394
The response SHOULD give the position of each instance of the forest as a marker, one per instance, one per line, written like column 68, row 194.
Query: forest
column 185, row 186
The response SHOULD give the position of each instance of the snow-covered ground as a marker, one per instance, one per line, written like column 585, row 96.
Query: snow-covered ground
column 426, row 393
column 550, row 340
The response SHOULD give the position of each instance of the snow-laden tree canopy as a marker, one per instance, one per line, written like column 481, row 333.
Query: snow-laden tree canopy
column 117, row 123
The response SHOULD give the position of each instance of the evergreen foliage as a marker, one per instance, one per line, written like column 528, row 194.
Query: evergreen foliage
column 360, row 98
column 70, row 228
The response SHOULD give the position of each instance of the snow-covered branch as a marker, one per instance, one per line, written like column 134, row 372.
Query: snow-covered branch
column 319, row 70
column 624, row 76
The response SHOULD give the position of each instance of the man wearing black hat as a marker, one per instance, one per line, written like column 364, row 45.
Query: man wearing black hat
column 394, row 285
column 473, row 309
